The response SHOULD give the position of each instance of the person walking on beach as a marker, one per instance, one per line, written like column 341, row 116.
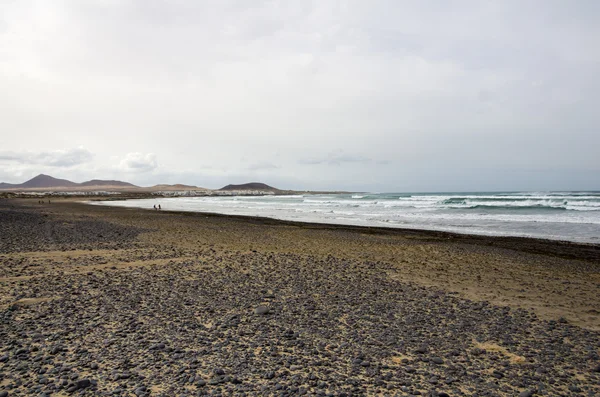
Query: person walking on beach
column 159, row 207
column 154, row 206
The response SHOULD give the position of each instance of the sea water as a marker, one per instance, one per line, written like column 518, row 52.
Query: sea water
column 572, row 216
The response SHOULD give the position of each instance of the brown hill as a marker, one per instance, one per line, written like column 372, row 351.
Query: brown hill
column 100, row 182
column 177, row 186
column 48, row 182
column 45, row 181
column 250, row 186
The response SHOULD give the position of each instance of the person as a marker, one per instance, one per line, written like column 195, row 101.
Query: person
column 154, row 206
column 159, row 207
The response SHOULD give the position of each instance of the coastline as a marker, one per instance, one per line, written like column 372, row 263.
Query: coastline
column 164, row 303
column 559, row 248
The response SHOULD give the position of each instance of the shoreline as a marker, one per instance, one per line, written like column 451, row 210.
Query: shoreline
column 559, row 248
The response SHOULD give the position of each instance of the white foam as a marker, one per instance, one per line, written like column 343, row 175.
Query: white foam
column 569, row 216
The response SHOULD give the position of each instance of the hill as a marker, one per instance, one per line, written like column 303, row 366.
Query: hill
column 48, row 182
column 250, row 186
column 45, row 181
column 177, row 186
column 100, row 182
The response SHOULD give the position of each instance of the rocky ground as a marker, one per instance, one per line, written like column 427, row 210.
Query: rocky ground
column 101, row 301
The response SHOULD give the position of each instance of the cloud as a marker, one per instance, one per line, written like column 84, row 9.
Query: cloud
column 65, row 158
column 335, row 158
column 56, row 158
column 139, row 162
column 262, row 165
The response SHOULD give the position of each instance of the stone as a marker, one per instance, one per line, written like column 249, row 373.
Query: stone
column 526, row 393
column 83, row 383
column 261, row 310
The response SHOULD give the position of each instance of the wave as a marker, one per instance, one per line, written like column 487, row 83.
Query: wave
column 396, row 203
column 557, row 215
column 514, row 208
column 507, row 204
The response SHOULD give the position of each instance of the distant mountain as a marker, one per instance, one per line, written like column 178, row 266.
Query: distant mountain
column 48, row 183
column 250, row 186
column 100, row 182
column 177, row 186
column 43, row 181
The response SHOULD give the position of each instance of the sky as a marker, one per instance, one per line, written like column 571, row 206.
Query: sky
column 323, row 95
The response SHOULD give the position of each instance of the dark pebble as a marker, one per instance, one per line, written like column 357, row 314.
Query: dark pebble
column 83, row 383
column 527, row 393
column 261, row 310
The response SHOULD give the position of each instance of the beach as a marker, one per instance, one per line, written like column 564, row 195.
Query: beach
column 562, row 216
column 99, row 300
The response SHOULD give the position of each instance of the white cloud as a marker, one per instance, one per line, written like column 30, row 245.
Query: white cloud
column 337, row 158
column 56, row 158
column 139, row 162
column 262, row 165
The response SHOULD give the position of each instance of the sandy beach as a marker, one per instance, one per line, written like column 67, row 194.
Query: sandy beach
column 101, row 301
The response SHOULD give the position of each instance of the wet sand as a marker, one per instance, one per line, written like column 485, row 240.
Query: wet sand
column 115, row 301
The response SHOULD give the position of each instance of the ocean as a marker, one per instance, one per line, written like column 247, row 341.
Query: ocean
column 570, row 216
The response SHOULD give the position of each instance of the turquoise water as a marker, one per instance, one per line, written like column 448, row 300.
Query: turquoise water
column 572, row 216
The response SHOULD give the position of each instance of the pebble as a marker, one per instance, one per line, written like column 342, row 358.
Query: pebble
column 526, row 393
column 83, row 383
column 261, row 310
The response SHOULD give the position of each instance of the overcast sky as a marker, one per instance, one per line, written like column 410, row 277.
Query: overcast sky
column 357, row 95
